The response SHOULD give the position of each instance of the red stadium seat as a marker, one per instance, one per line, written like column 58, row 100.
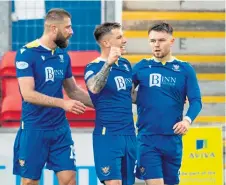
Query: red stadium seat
column 7, row 66
column 79, row 59
column 11, row 108
column 11, row 124
column 10, row 87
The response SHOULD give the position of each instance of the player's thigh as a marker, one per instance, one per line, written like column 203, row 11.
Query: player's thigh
column 113, row 182
column 129, row 161
column 154, row 181
column 62, row 153
column 172, row 160
column 67, row 177
column 108, row 153
column 28, row 163
column 25, row 181
column 149, row 160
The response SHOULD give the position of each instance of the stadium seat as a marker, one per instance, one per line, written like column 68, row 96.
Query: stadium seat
column 9, row 86
column 10, row 124
column 79, row 59
column 7, row 67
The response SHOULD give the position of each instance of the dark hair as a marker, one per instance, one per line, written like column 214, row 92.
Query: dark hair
column 104, row 29
column 162, row 26
column 57, row 14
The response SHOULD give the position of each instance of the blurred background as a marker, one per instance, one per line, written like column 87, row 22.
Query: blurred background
column 199, row 29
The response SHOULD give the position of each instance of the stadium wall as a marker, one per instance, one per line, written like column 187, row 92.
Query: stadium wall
column 27, row 21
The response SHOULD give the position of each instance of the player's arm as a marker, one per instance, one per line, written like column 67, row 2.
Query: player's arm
column 195, row 104
column 193, row 94
column 27, row 89
column 134, row 93
column 25, row 76
column 74, row 91
column 97, row 82
column 135, row 82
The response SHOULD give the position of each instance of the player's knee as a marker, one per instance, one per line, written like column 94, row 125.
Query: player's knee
column 29, row 182
column 70, row 180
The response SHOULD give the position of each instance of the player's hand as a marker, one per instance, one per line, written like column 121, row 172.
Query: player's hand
column 181, row 127
column 74, row 106
column 114, row 54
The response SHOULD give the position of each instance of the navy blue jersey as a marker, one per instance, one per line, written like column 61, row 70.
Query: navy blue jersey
column 49, row 69
column 113, row 104
column 162, row 93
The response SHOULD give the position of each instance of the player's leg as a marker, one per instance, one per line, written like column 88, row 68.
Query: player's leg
column 28, row 163
column 25, row 181
column 172, row 159
column 129, row 161
column 149, row 160
column 62, row 157
column 66, row 177
column 108, row 153
column 113, row 182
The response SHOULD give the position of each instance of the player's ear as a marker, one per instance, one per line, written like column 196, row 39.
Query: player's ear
column 54, row 28
column 105, row 43
column 172, row 41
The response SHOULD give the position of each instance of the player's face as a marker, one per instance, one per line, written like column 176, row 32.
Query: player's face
column 117, row 39
column 64, row 33
column 161, row 43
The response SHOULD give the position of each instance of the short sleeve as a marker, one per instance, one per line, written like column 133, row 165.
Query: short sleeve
column 91, row 70
column 69, row 69
column 24, row 63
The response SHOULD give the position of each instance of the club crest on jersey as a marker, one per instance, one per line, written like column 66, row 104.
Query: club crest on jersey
column 142, row 171
column 21, row 162
column 105, row 170
column 176, row 67
column 61, row 58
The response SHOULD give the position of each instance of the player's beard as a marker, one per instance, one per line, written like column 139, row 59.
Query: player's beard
column 160, row 55
column 61, row 41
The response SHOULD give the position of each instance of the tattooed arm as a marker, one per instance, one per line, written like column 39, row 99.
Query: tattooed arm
column 27, row 88
column 96, row 83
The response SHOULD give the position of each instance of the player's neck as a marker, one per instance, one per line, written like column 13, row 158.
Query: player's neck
column 104, row 54
column 47, row 42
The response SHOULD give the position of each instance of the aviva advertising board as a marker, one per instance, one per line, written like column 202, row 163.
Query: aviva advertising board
column 203, row 157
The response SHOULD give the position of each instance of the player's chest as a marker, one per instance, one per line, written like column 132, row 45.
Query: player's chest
column 119, row 80
column 50, row 68
column 162, row 77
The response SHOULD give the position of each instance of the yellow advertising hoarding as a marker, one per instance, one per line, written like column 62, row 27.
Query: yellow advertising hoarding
column 202, row 162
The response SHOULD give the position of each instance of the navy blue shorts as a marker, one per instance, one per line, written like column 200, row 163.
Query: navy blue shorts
column 35, row 148
column 115, row 158
column 159, row 156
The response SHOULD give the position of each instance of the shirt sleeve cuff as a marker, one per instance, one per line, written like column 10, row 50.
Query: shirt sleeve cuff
column 188, row 119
